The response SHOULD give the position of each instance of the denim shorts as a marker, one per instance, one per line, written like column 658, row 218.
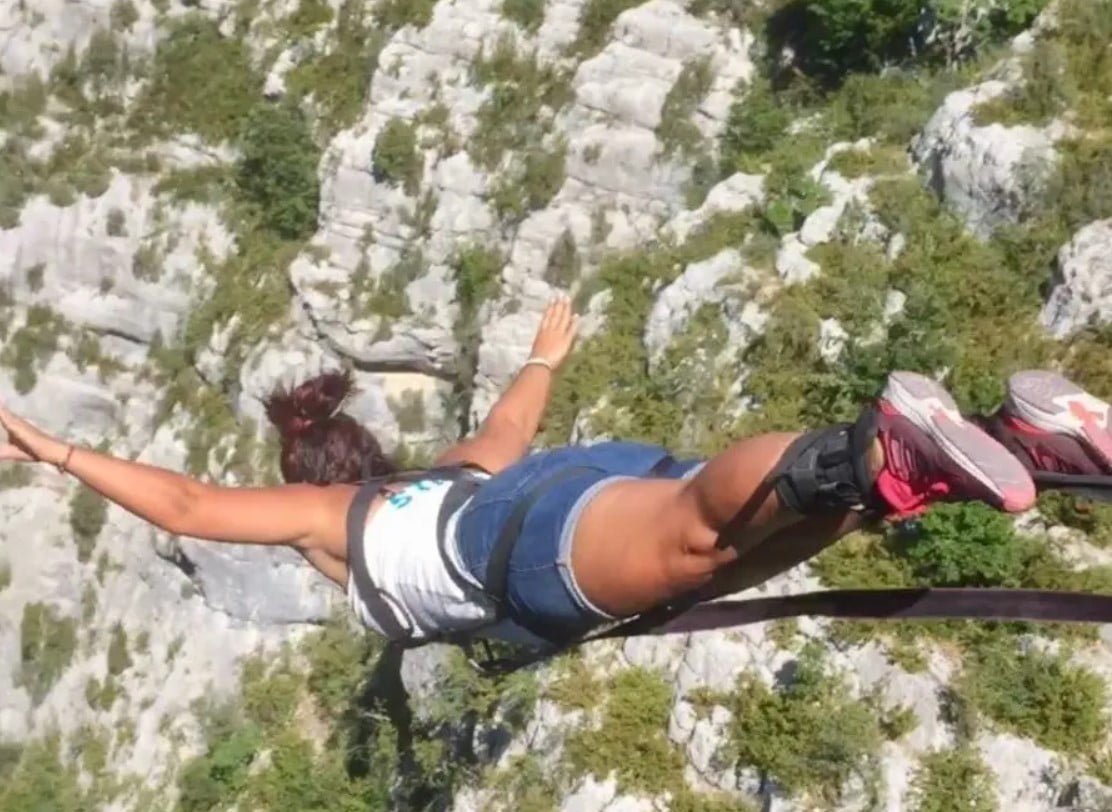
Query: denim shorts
column 541, row 587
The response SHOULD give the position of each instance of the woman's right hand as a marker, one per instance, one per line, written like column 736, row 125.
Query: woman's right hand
column 556, row 335
column 26, row 443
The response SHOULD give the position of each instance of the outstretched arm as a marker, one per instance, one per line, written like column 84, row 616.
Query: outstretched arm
column 512, row 423
column 300, row 515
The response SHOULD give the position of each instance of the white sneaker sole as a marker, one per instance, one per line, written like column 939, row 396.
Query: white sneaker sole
column 1052, row 403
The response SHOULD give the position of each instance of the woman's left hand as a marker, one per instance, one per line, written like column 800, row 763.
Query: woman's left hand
column 25, row 443
column 557, row 332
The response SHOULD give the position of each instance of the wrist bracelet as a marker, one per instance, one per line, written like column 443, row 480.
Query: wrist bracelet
column 64, row 464
column 537, row 361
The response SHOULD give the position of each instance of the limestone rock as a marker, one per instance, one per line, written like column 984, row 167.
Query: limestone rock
column 1082, row 294
column 122, row 265
column 984, row 174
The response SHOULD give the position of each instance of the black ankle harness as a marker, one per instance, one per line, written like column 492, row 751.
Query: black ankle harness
column 826, row 471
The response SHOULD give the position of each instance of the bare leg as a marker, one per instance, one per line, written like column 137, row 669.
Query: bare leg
column 641, row 542
column 780, row 552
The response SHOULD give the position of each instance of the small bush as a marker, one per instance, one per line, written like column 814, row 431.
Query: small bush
column 968, row 544
column 1043, row 94
column 409, row 411
column 32, row 344
column 123, row 15
column 88, row 512
column 307, row 18
column 41, row 779
column 1094, row 519
column 853, row 163
column 756, row 124
column 516, row 115
column 277, row 171
column 1040, row 696
column 562, row 270
column 5, row 576
column 595, row 20
column 119, row 660
column 809, row 735
column 676, row 132
column 529, row 14
column 947, row 780
column 394, row 14
column 200, row 81
column 532, row 185
column 395, row 157
column 35, row 277
column 116, row 225
column 338, row 80
column 47, row 644
column 631, row 742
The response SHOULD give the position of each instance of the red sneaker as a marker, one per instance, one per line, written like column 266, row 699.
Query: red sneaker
column 1055, row 426
column 934, row 454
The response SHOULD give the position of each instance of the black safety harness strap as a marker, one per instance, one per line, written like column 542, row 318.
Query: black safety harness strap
column 373, row 598
column 496, row 578
column 377, row 601
column 856, row 604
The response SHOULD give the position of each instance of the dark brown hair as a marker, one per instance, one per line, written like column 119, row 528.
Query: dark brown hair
column 320, row 443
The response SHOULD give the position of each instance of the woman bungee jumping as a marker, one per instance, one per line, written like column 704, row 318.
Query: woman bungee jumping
column 541, row 548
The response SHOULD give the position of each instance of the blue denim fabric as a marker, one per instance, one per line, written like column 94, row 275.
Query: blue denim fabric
column 541, row 587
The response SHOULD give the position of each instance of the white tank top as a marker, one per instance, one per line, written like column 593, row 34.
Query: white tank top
column 405, row 562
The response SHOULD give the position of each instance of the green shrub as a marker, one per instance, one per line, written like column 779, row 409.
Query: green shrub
column 119, row 660
column 32, row 344
column 1043, row 94
column 307, row 18
column 522, row 786
column 22, row 104
column 102, row 696
column 35, row 277
column 46, row 647
column 277, row 171
column 123, row 15
column 595, row 20
column 15, row 476
column 756, row 124
column 809, row 735
column 409, row 411
column 394, row 14
column 1040, row 696
column 217, row 776
column 631, row 741
column 42, row 780
column 953, row 779
column 339, row 79
column 88, row 512
column 395, row 157
column 116, row 225
column 529, row 14
column 832, row 39
column 853, row 163
column 533, row 185
column 514, row 115
column 200, row 184
column 968, row 544
column 5, row 575
column 200, row 81
column 562, row 270
column 676, row 132
column 1094, row 519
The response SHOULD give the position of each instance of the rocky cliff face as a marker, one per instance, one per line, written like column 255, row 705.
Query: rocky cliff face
column 199, row 202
